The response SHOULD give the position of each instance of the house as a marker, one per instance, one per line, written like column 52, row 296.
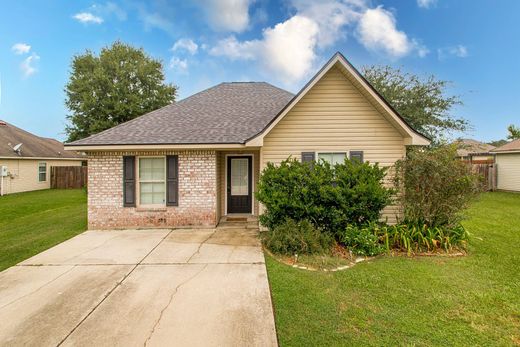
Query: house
column 508, row 166
column 26, row 159
column 199, row 159
column 474, row 151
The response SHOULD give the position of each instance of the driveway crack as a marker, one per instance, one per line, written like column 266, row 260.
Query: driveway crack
column 156, row 324
column 200, row 245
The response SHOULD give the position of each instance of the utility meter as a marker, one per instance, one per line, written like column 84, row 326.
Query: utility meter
column 3, row 171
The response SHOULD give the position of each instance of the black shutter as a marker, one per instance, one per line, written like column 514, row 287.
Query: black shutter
column 308, row 157
column 356, row 155
column 129, row 181
column 172, row 180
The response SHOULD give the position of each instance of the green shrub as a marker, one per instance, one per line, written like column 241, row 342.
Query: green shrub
column 293, row 237
column 435, row 186
column 362, row 240
column 330, row 196
column 374, row 238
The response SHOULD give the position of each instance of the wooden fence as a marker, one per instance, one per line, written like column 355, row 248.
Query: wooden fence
column 64, row 177
column 489, row 174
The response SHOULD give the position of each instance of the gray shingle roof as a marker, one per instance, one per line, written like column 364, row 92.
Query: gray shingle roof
column 226, row 113
column 33, row 146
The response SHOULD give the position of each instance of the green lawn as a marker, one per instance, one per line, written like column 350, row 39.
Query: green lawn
column 466, row 301
column 34, row 221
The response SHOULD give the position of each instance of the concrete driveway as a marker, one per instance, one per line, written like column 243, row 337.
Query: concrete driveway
column 141, row 287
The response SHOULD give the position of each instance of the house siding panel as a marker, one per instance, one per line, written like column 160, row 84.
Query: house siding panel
column 197, row 193
column 335, row 116
column 24, row 174
column 508, row 171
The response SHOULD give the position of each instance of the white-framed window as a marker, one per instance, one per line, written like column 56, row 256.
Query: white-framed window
column 152, row 181
column 333, row 158
column 42, row 172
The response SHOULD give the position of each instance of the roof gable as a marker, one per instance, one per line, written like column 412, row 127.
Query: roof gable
column 411, row 136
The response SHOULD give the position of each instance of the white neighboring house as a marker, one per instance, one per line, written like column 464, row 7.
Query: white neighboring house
column 507, row 158
column 26, row 159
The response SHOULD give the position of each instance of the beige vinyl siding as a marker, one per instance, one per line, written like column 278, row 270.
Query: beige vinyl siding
column 334, row 116
column 508, row 171
column 24, row 174
column 222, row 181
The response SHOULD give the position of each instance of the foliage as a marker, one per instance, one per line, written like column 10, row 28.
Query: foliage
column 362, row 240
column 423, row 102
column 328, row 196
column 120, row 84
column 435, row 187
column 498, row 143
column 514, row 132
column 472, row 300
column 293, row 237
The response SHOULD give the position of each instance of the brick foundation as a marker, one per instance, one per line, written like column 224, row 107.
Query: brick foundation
column 197, row 193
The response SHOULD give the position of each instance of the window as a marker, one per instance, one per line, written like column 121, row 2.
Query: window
column 42, row 172
column 152, row 182
column 356, row 155
column 333, row 158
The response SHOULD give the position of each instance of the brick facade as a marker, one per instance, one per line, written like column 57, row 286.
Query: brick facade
column 197, row 192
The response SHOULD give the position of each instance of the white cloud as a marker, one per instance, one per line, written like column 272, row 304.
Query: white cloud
column 109, row 9
column 227, row 15
column 21, row 48
column 180, row 65
column 185, row 44
column 458, row 51
column 287, row 49
column 377, row 31
column 87, row 17
column 27, row 65
column 331, row 16
column 426, row 3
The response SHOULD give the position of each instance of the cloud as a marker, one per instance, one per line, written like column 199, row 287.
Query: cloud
column 21, row 48
column 331, row 16
column 426, row 3
column 27, row 65
column 458, row 51
column 109, row 9
column 179, row 65
column 187, row 45
column 287, row 49
column 227, row 15
column 377, row 31
column 87, row 17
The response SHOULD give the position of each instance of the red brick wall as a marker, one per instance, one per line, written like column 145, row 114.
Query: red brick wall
column 197, row 192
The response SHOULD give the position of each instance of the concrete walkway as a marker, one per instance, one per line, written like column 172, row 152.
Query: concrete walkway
column 141, row 287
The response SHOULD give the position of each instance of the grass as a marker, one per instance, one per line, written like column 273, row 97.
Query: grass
column 422, row 301
column 35, row 221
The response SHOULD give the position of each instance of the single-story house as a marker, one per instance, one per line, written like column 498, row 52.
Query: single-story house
column 507, row 158
column 199, row 159
column 26, row 159
column 474, row 151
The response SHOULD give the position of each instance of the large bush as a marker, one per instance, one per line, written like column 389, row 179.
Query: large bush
column 435, row 187
column 329, row 196
column 291, row 237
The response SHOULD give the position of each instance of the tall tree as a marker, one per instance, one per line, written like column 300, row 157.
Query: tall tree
column 514, row 132
column 423, row 102
column 120, row 84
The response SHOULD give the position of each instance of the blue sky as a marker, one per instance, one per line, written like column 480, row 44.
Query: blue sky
column 475, row 44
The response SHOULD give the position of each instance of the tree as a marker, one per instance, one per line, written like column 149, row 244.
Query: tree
column 514, row 132
column 423, row 102
column 120, row 84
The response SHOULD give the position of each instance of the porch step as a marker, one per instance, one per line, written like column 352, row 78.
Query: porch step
column 243, row 222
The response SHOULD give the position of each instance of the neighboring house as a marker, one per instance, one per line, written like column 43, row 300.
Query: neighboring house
column 474, row 151
column 508, row 166
column 194, row 161
column 26, row 159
